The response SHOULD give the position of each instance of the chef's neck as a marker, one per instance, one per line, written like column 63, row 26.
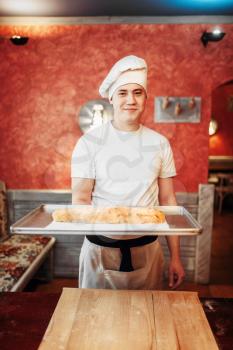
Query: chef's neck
column 124, row 126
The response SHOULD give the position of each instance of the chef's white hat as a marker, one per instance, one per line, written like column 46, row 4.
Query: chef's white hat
column 129, row 69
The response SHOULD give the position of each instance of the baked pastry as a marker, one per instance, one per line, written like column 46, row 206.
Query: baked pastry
column 109, row 215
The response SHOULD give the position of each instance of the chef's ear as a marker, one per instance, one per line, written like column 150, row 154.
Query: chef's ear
column 110, row 100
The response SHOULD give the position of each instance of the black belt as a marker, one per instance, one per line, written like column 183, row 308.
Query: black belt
column 124, row 245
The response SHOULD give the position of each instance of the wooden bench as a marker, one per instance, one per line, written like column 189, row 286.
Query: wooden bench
column 20, row 255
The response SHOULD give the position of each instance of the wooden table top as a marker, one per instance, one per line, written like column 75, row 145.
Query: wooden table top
column 24, row 318
column 95, row 319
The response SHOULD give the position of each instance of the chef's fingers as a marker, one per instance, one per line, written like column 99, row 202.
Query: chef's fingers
column 171, row 278
column 178, row 281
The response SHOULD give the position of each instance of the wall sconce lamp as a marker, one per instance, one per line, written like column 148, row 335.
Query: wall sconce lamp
column 213, row 127
column 216, row 35
column 19, row 40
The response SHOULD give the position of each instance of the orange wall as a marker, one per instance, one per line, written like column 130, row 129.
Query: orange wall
column 221, row 144
column 45, row 83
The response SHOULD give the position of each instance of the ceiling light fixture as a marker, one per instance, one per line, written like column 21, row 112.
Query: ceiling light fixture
column 215, row 35
column 19, row 40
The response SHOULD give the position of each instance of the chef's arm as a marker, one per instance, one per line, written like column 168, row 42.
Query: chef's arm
column 167, row 197
column 82, row 189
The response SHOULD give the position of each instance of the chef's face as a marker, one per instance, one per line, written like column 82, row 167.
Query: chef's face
column 128, row 102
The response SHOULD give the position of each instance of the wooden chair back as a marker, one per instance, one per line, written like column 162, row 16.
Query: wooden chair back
column 224, row 189
column 3, row 211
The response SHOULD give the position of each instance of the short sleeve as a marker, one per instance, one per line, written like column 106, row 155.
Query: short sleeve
column 82, row 161
column 168, row 168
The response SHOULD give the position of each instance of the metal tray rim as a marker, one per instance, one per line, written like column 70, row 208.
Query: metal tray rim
column 196, row 229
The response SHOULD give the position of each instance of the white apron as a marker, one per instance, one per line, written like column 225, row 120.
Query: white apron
column 99, row 267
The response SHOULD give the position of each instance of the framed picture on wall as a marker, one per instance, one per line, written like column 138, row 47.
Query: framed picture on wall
column 177, row 109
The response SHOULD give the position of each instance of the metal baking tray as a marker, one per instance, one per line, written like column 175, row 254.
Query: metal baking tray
column 39, row 221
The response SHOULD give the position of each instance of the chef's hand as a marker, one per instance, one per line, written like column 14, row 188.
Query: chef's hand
column 175, row 273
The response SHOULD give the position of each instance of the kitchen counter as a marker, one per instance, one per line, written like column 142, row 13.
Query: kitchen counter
column 24, row 318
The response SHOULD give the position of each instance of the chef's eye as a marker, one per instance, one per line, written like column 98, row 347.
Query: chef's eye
column 122, row 93
column 138, row 92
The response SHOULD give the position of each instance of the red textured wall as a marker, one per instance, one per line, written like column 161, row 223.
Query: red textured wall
column 45, row 83
column 222, row 110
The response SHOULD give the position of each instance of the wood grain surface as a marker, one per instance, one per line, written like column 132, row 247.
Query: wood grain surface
column 122, row 319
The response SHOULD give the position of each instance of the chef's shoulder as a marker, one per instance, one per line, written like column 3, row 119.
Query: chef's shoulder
column 93, row 138
column 152, row 137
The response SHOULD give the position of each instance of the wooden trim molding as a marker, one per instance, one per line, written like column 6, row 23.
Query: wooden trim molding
column 221, row 163
column 36, row 20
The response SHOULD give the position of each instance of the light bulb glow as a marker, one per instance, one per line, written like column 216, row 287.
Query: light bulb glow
column 213, row 127
column 28, row 7
column 216, row 31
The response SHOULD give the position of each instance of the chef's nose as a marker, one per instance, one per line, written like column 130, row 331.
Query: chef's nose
column 130, row 98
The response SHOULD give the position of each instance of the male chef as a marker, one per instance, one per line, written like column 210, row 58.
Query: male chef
column 124, row 163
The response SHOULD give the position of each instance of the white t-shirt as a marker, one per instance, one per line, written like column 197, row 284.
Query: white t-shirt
column 125, row 165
